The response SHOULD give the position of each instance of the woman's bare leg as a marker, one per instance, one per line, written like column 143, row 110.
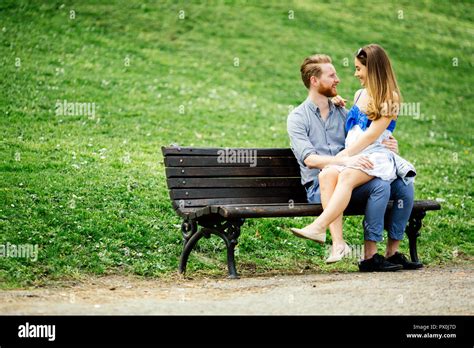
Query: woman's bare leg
column 327, row 183
column 348, row 180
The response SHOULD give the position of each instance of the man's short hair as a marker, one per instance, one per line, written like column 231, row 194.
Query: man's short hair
column 312, row 67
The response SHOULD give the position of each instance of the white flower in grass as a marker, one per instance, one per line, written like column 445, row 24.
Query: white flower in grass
column 455, row 252
column 126, row 159
column 102, row 153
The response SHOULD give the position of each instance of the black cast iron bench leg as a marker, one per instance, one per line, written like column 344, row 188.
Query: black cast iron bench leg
column 229, row 231
column 413, row 232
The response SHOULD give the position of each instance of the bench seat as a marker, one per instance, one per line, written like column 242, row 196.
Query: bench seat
column 231, row 211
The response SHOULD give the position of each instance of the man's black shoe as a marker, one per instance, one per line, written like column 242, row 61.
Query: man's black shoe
column 400, row 259
column 378, row 264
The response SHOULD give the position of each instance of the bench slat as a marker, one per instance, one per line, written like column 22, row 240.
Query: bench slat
column 184, row 172
column 273, row 207
column 284, row 192
column 279, row 210
column 208, row 161
column 190, row 203
column 233, row 182
column 211, row 151
column 426, row 205
column 196, row 212
column 304, row 209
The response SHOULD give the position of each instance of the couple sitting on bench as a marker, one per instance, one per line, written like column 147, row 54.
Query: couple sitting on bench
column 350, row 157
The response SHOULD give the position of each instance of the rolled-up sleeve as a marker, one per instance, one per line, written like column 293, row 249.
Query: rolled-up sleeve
column 299, row 139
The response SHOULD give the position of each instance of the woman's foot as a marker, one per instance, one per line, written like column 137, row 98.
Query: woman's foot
column 338, row 252
column 312, row 231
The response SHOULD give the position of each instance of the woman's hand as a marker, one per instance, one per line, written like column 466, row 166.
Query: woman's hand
column 359, row 161
column 339, row 101
column 391, row 143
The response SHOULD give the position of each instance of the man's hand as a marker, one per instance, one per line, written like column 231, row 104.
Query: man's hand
column 391, row 143
column 360, row 161
column 339, row 101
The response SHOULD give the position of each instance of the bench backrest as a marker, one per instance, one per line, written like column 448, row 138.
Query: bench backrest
column 198, row 177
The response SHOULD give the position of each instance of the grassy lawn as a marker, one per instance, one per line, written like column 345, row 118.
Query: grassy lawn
column 89, row 189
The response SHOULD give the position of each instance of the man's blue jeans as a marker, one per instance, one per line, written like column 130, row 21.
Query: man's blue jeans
column 374, row 196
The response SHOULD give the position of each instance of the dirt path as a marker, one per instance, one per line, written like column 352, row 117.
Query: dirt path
column 436, row 290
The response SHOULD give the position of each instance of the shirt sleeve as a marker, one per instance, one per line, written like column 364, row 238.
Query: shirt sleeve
column 299, row 139
column 343, row 112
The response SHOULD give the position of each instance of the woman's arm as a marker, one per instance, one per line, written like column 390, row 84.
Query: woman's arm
column 375, row 129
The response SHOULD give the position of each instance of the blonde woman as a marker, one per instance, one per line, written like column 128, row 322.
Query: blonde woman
column 370, row 121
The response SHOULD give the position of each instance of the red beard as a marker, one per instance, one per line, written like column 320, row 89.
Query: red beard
column 327, row 91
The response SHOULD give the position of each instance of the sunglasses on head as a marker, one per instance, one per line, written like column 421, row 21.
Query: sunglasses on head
column 361, row 53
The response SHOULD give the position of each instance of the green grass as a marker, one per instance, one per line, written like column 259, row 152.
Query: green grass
column 91, row 191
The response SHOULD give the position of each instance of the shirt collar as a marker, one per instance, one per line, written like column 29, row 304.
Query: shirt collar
column 315, row 109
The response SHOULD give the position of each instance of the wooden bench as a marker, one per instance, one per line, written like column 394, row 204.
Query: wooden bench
column 214, row 190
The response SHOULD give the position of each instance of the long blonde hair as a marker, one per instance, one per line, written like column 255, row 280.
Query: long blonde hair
column 382, row 86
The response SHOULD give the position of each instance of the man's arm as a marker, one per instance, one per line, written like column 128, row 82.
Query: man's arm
column 305, row 151
column 299, row 140
column 319, row 162
column 316, row 161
